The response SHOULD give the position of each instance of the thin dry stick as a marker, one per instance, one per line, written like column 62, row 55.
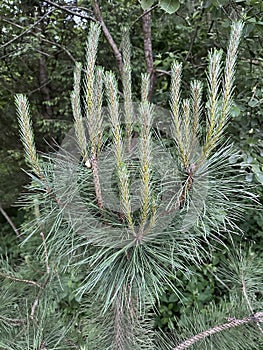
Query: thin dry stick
column 28, row 30
column 33, row 308
column 107, row 34
column 66, row 9
column 4, row 213
column 44, row 40
column 258, row 317
column 13, row 321
column 13, row 278
column 45, row 252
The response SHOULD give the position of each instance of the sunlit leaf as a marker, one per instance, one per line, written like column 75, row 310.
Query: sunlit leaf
column 169, row 6
column 145, row 4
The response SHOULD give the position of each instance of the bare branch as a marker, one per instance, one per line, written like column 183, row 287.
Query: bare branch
column 194, row 36
column 147, row 38
column 108, row 36
column 9, row 221
column 28, row 30
column 43, row 40
column 258, row 317
column 163, row 72
column 66, row 9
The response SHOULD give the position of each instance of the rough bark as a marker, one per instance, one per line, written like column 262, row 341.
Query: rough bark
column 148, row 53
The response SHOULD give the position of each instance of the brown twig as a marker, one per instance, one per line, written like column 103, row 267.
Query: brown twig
column 4, row 213
column 194, row 37
column 107, row 34
column 34, row 306
column 45, row 252
column 258, row 317
column 27, row 31
column 13, row 321
column 43, row 40
column 21, row 280
column 163, row 72
column 74, row 13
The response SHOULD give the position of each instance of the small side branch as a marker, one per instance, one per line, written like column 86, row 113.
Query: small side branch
column 258, row 317
column 16, row 279
column 66, row 9
column 4, row 213
column 13, row 321
column 27, row 30
column 107, row 34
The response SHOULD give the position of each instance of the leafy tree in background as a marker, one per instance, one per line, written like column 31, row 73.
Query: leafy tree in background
column 42, row 41
column 121, row 262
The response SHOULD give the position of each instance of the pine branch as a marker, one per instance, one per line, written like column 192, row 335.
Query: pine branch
column 213, row 95
column 99, row 77
column 76, row 108
column 122, row 171
column 176, row 72
column 28, row 141
column 127, row 90
column 26, row 133
column 93, row 95
column 146, row 114
column 196, row 107
column 89, row 84
column 218, row 118
column 257, row 317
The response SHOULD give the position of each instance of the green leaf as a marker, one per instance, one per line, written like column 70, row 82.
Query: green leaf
column 253, row 103
column 257, row 172
column 145, row 4
column 235, row 111
column 169, row 6
column 173, row 298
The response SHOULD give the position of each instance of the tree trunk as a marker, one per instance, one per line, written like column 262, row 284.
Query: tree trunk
column 147, row 39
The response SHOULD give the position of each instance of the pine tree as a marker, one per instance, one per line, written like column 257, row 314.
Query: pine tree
column 123, row 208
